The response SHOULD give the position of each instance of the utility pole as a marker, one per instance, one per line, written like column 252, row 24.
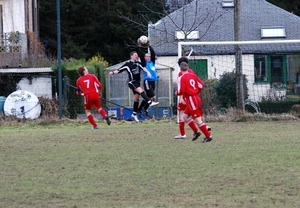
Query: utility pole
column 59, row 58
column 238, row 59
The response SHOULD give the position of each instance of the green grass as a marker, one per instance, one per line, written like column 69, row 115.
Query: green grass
column 248, row 164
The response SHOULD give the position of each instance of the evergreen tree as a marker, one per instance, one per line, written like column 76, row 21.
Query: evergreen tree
column 90, row 27
column 288, row 5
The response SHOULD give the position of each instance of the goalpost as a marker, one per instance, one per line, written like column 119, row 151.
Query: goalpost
column 271, row 67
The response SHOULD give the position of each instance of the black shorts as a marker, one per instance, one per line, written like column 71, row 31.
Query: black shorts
column 133, row 85
column 149, row 88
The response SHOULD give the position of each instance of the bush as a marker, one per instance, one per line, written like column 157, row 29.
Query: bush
column 208, row 97
column 226, row 90
column 279, row 107
column 71, row 101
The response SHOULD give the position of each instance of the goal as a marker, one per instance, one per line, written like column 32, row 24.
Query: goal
column 271, row 67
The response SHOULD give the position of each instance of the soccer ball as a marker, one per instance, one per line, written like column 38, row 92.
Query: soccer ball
column 143, row 40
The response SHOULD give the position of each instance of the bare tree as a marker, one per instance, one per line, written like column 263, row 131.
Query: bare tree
column 176, row 4
column 189, row 17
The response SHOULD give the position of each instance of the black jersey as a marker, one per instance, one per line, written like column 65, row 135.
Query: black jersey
column 133, row 69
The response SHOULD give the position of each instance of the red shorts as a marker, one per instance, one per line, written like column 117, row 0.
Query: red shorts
column 193, row 107
column 91, row 100
column 181, row 104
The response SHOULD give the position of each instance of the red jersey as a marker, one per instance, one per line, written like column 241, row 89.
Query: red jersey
column 181, row 103
column 189, row 84
column 189, row 70
column 89, row 84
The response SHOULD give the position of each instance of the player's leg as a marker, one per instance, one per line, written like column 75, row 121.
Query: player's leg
column 188, row 111
column 88, row 103
column 203, row 127
column 136, row 98
column 134, row 85
column 149, row 88
column 145, row 97
column 181, row 123
column 181, row 105
column 197, row 115
column 143, row 103
column 192, row 125
column 101, row 111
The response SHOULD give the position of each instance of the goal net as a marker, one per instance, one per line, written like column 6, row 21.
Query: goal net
column 271, row 68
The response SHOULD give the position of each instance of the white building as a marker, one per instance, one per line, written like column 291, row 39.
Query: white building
column 269, row 68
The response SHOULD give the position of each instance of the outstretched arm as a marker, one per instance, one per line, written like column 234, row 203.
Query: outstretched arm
column 152, row 52
column 114, row 72
column 148, row 73
column 141, row 54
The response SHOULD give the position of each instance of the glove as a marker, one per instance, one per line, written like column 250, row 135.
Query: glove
column 79, row 92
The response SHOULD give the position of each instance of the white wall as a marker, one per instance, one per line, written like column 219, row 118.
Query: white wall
column 13, row 15
column 219, row 64
column 40, row 87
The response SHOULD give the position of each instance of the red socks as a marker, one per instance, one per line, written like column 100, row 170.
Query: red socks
column 103, row 113
column 91, row 120
column 192, row 125
column 181, row 128
column 203, row 128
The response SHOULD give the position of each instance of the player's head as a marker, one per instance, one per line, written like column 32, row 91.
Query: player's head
column 82, row 70
column 184, row 66
column 183, row 59
column 148, row 57
column 133, row 56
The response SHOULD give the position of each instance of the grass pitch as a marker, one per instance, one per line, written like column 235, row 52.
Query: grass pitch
column 248, row 164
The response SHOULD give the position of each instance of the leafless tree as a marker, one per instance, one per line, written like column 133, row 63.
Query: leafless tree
column 176, row 4
column 188, row 17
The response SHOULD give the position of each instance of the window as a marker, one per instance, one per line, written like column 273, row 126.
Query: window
column 270, row 69
column 187, row 35
column 261, row 72
column 228, row 3
column 273, row 32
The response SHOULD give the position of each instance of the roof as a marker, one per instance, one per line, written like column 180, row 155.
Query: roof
column 216, row 23
column 158, row 66
column 26, row 70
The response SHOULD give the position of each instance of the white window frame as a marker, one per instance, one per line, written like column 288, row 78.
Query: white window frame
column 227, row 3
column 273, row 32
column 192, row 35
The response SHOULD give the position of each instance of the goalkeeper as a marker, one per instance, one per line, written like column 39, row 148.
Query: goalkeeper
column 148, row 61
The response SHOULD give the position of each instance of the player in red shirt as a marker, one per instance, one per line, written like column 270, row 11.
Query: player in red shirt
column 90, row 87
column 181, row 105
column 190, row 85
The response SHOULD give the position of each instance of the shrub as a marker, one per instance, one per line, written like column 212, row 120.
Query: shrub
column 226, row 90
column 71, row 101
column 208, row 97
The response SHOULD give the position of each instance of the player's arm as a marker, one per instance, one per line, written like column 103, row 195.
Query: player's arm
column 120, row 70
column 181, row 87
column 145, row 70
column 200, row 84
column 98, row 86
column 141, row 54
column 152, row 52
column 97, row 83
column 114, row 72
column 78, row 90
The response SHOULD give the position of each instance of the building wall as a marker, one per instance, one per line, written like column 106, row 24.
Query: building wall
column 14, row 19
column 13, row 15
column 40, row 86
column 218, row 64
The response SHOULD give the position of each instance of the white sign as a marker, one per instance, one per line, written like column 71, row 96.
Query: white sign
column 22, row 104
